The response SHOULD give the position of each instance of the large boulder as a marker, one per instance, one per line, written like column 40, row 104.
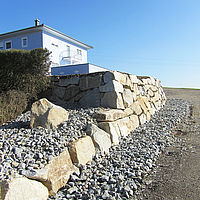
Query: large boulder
column 82, row 150
column 101, row 139
column 55, row 174
column 47, row 115
column 23, row 188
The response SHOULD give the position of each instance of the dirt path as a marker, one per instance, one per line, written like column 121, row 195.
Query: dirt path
column 178, row 173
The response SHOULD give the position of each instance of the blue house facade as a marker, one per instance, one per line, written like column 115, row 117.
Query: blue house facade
column 65, row 50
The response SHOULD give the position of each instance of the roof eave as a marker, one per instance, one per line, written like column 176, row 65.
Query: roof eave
column 21, row 31
column 64, row 36
column 43, row 27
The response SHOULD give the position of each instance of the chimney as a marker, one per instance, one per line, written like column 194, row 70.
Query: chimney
column 37, row 21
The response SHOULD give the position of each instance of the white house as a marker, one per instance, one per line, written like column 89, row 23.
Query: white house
column 66, row 51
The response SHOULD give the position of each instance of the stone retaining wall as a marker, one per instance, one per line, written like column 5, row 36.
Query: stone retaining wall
column 126, row 101
column 134, row 96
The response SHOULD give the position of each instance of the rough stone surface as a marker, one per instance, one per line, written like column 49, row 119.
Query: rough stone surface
column 134, row 79
column 47, row 115
column 69, row 81
column 134, row 121
column 136, row 108
column 143, row 118
column 128, row 98
column 142, row 104
column 82, row 150
column 100, row 138
column 108, row 76
column 124, row 125
column 58, row 93
column 56, row 174
column 112, row 86
column 108, row 115
column 71, row 91
column 128, row 112
column 113, row 129
column 112, row 100
column 121, row 77
column 89, row 82
column 91, row 98
column 120, row 174
column 23, row 189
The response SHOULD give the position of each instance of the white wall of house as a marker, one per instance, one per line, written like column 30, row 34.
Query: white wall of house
column 63, row 52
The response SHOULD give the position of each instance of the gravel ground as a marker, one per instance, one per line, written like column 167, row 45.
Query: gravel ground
column 23, row 149
column 123, row 172
column 119, row 175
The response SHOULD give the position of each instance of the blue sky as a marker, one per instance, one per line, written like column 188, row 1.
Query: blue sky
column 143, row 37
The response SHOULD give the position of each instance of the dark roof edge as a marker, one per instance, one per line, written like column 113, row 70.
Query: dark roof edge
column 24, row 29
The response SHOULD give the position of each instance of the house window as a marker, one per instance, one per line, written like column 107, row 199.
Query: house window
column 79, row 52
column 1, row 45
column 68, row 51
column 8, row 45
column 24, row 42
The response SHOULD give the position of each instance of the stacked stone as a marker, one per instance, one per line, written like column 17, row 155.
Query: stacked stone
column 141, row 96
column 131, row 100
column 111, row 89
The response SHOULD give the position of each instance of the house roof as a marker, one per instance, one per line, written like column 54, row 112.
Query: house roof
column 47, row 29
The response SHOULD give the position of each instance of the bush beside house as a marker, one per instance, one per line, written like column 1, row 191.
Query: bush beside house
column 23, row 77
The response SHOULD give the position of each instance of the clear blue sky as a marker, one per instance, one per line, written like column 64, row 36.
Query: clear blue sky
column 159, row 38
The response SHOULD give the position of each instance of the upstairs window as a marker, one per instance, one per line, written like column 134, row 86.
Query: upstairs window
column 68, row 51
column 79, row 52
column 24, row 42
column 8, row 45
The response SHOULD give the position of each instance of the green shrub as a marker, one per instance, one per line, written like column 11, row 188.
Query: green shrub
column 24, row 70
column 12, row 104
column 23, row 77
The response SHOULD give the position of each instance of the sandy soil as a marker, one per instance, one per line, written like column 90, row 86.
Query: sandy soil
column 178, row 173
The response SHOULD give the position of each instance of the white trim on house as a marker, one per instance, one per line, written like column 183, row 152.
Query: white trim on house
column 6, row 42
column 26, row 39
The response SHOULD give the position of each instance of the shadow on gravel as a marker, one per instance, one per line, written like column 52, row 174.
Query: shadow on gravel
column 16, row 125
